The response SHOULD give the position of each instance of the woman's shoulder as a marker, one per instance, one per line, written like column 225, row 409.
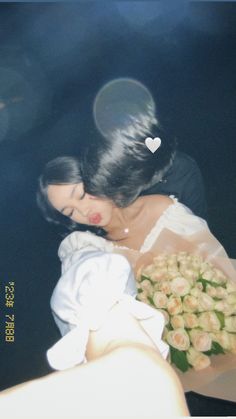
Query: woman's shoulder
column 173, row 213
column 158, row 202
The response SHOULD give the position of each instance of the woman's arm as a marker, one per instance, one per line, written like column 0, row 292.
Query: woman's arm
column 128, row 382
column 125, row 378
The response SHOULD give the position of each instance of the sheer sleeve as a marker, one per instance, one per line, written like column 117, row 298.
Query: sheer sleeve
column 177, row 218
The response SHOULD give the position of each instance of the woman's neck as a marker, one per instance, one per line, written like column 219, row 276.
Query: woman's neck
column 130, row 226
column 123, row 219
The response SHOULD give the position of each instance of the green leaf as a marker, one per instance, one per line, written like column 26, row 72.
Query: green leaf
column 221, row 318
column 206, row 282
column 151, row 301
column 216, row 349
column 143, row 277
column 179, row 358
column 169, row 327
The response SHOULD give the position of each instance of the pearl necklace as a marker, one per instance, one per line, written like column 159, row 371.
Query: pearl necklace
column 124, row 232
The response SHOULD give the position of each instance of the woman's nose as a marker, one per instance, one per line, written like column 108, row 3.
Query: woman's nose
column 84, row 208
column 83, row 211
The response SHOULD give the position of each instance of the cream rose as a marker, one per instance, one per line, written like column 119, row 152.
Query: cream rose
column 197, row 289
column 164, row 286
column 160, row 299
column 165, row 333
column 201, row 340
column 209, row 321
column 230, row 324
column 223, row 338
column 172, row 258
column 166, row 315
column 205, row 302
column 159, row 264
column 148, row 270
column 210, row 290
column 177, row 321
column 183, row 265
column 189, row 273
column 219, row 275
column 156, row 286
column 160, row 260
column 190, row 304
column 208, row 274
column 197, row 359
column 179, row 339
column 182, row 255
column 172, row 263
column 224, row 307
column 146, row 286
column 231, row 299
column 196, row 262
column 205, row 266
column 190, row 320
column 231, row 286
column 159, row 274
column 174, row 305
column 212, row 276
column 179, row 286
column 143, row 296
column 173, row 273
column 221, row 292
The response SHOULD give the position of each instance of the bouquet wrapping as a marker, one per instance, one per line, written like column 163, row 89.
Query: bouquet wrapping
column 193, row 282
column 199, row 305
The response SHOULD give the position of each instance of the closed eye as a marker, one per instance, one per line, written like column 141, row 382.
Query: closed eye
column 79, row 198
column 71, row 214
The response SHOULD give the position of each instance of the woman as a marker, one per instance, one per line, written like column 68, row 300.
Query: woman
column 63, row 198
column 126, row 376
column 93, row 303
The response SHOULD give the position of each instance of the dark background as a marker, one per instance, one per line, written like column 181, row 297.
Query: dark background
column 53, row 59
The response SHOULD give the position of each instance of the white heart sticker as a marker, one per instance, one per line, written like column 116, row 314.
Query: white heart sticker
column 153, row 143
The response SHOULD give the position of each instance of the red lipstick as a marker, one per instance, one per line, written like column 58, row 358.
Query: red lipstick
column 95, row 218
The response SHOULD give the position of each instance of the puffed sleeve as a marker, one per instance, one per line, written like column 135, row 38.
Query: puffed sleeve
column 82, row 299
column 79, row 245
column 76, row 243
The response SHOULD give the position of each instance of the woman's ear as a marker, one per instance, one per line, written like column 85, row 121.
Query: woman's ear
column 91, row 196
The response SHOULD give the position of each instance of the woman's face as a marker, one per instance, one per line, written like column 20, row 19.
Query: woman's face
column 71, row 201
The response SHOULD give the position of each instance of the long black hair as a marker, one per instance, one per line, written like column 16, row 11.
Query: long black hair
column 117, row 167
column 61, row 171
column 120, row 166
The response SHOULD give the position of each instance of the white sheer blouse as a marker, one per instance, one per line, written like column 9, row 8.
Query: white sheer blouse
column 94, row 278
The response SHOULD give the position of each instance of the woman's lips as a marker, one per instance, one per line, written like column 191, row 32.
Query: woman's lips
column 95, row 218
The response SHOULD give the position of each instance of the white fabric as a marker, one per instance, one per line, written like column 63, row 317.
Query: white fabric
column 83, row 296
column 94, row 279
column 72, row 246
column 177, row 218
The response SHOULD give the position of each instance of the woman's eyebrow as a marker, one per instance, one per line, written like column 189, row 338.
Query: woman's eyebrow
column 70, row 196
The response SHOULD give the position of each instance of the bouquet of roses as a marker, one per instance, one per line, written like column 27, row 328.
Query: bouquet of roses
column 199, row 305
